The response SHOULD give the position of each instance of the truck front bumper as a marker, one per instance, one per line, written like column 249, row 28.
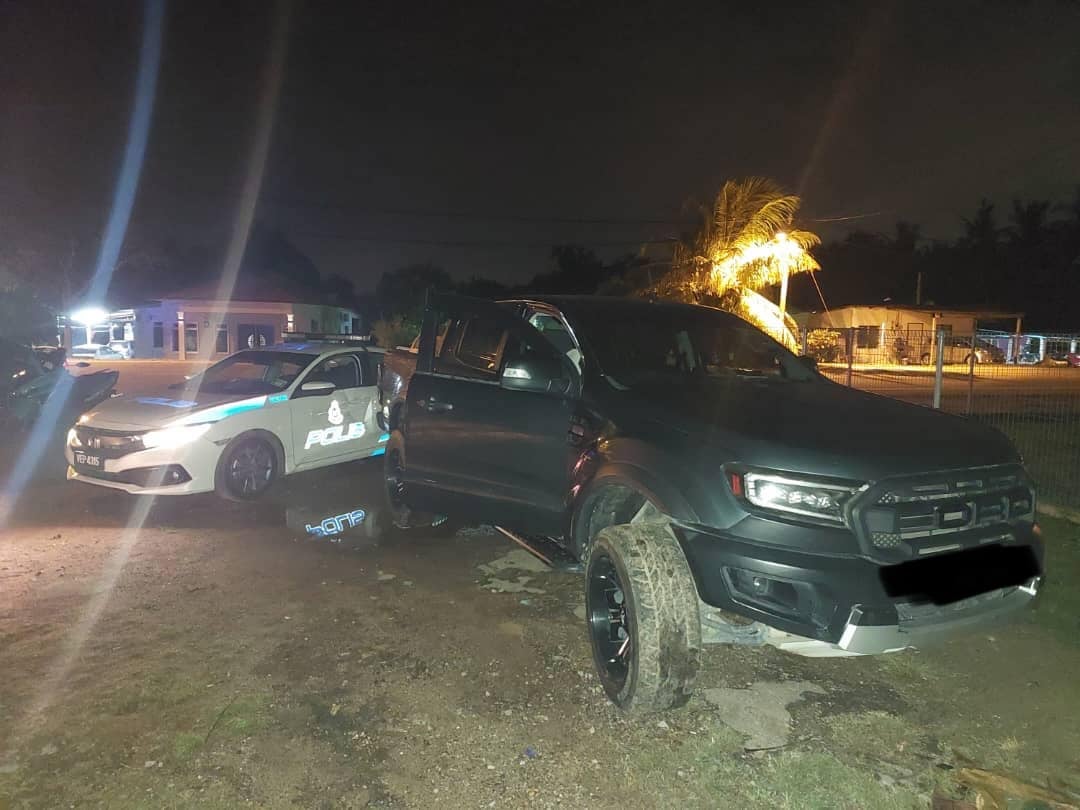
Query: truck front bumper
column 940, row 623
column 823, row 605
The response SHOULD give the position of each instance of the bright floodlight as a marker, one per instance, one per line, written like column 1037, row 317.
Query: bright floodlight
column 89, row 316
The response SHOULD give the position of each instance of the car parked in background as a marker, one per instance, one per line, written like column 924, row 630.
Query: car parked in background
column 959, row 349
column 239, row 425
column 113, row 350
column 50, row 357
column 31, row 375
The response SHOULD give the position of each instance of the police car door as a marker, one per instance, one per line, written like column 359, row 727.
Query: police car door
column 336, row 424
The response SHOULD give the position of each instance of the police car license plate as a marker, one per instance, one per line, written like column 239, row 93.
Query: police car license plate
column 88, row 461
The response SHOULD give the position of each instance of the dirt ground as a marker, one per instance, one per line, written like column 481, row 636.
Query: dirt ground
column 220, row 657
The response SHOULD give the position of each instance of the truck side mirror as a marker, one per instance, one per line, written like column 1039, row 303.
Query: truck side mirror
column 534, row 373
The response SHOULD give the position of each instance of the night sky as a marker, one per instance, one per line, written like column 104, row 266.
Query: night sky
column 477, row 136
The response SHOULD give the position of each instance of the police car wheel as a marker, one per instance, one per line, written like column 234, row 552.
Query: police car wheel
column 248, row 468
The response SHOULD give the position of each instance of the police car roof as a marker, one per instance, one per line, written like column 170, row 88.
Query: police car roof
column 314, row 346
column 306, row 347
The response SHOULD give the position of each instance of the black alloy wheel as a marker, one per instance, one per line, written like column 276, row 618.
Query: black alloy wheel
column 609, row 622
column 395, row 480
column 250, row 469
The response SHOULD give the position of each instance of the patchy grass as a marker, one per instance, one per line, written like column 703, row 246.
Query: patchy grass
column 907, row 666
column 1057, row 607
column 186, row 744
column 245, row 716
column 800, row 780
column 155, row 692
column 711, row 770
column 873, row 733
column 1051, row 452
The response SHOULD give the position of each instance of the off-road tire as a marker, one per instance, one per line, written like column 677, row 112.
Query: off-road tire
column 662, row 611
column 403, row 519
column 393, row 468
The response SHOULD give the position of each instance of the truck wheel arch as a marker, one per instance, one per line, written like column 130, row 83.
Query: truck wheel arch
column 393, row 421
column 615, row 488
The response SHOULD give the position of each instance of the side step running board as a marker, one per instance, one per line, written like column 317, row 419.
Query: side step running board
column 546, row 550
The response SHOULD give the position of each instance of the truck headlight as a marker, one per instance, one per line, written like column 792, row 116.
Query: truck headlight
column 171, row 437
column 780, row 493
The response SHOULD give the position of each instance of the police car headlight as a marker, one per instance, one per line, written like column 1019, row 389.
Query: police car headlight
column 173, row 436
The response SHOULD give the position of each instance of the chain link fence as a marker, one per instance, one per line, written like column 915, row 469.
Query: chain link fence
column 1033, row 396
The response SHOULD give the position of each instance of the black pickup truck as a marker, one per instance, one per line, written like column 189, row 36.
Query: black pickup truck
column 715, row 485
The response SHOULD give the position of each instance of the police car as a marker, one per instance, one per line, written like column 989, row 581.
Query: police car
column 239, row 425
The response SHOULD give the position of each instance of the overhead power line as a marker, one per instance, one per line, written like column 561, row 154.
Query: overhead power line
column 495, row 243
column 431, row 213
column 473, row 215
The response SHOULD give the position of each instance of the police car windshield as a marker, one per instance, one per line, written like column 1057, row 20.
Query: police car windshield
column 254, row 372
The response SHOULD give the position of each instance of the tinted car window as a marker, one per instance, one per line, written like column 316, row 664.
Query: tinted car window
column 253, row 373
column 670, row 347
column 481, row 345
column 342, row 370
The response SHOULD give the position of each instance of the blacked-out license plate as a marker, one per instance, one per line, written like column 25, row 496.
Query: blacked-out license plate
column 88, row 461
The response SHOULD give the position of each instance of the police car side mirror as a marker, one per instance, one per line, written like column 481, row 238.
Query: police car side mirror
column 317, row 389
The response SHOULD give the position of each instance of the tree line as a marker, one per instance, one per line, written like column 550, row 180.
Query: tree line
column 1024, row 257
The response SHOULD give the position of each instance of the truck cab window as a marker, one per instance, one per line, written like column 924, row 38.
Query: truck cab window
column 481, row 345
column 557, row 335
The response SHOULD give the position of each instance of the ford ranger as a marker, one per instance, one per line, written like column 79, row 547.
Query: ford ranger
column 716, row 487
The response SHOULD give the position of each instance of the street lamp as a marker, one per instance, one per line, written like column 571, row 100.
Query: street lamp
column 89, row 316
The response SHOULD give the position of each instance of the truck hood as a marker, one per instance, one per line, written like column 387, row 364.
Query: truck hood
column 149, row 412
column 821, row 428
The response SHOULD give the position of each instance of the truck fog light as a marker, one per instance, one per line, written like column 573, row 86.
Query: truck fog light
column 761, row 590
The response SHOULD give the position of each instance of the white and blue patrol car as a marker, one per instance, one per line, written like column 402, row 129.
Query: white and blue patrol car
column 239, row 425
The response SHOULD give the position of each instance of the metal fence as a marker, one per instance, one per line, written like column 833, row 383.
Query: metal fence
column 1034, row 398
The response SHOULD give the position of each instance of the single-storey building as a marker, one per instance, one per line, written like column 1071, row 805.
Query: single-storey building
column 908, row 331
column 197, row 325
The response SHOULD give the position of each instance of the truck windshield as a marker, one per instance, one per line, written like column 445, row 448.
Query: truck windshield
column 667, row 346
column 253, row 373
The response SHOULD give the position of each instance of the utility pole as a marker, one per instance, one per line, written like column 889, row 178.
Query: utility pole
column 783, row 291
column 781, row 239
column 918, row 289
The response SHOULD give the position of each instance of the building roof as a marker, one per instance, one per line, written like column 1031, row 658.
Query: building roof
column 246, row 289
column 980, row 313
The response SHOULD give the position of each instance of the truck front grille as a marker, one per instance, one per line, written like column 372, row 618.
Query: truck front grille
column 912, row 516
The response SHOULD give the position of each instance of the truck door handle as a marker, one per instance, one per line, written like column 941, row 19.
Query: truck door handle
column 434, row 406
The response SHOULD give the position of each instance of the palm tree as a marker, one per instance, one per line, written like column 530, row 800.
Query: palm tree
column 1029, row 222
column 743, row 244
column 982, row 231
